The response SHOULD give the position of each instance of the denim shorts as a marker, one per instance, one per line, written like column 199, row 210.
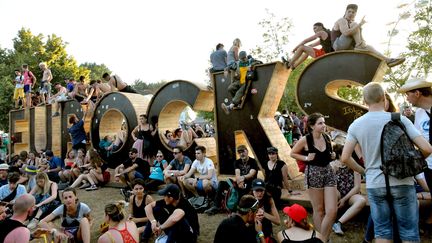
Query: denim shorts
column 405, row 208
column 343, row 43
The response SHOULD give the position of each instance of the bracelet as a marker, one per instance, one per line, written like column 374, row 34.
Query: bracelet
column 260, row 234
column 152, row 221
column 306, row 158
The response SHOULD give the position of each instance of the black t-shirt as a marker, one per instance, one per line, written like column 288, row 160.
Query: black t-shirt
column 245, row 167
column 234, row 230
column 163, row 211
column 143, row 166
column 274, row 176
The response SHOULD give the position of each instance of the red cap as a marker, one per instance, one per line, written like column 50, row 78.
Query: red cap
column 296, row 212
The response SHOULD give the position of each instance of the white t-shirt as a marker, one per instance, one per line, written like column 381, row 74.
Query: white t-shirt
column 366, row 131
column 205, row 167
column 421, row 122
column 19, row 82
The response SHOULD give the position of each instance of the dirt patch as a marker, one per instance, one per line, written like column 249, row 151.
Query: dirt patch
column 354, row 231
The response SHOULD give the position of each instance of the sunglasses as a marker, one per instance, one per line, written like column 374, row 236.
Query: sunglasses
column 159, row 156
column 240, row 151
column 176, row 153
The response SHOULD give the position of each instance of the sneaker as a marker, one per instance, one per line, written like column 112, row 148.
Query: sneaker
column 337, row 228
column 85, row 185
column 285, row 61
column 92, row 188
column 225, row 108
column 395, row 61
column 56, row 114
column 125, row 193
column 212, row 211
column 33, row 224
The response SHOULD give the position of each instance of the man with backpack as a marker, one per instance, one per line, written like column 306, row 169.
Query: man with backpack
column 245, row 169
column 286, row 124
column 401, row 202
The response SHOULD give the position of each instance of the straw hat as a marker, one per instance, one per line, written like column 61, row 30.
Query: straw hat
column 413, row 84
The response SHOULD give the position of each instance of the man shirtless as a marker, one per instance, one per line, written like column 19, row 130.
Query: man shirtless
column 347, row 34
column 45, row 87
column 116, row 82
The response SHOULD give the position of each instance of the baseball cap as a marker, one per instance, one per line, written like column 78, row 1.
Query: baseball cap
column 49, row 153
column 171, row 190
column 241, row 148
column 4, row 167
column 258, row 184
column 296, row 212
column 272, row 150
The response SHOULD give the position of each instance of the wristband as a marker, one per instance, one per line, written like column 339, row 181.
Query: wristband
column 306, row 158
column 152, row 221
column 260, row 234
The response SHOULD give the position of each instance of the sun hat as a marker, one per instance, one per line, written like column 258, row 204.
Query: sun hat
column 413, row 84
column 296, row 212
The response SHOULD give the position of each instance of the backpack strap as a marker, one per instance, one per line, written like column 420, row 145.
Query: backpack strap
column 230, row 183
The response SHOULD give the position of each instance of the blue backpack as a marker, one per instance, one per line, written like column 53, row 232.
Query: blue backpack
column 232, row 197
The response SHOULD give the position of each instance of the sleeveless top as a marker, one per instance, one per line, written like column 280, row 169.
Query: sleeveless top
column 267, row 226
column 327, row 44
column 231, row 56
column 7, row 226
column 125, row 234
column 345, row 180
column 321, row 158
column 139, row 211
column 274, row 176
column 313, row 239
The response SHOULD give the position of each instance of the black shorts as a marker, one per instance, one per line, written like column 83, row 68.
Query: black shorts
column 128, row 89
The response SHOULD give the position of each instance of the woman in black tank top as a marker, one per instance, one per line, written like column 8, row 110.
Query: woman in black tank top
column 137, row 203
column 298, row 229
column 302, row 51
column 315, row 150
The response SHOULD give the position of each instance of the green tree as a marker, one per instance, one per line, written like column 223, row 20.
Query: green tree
column 275, row 38
column 147, row 88
column 96, row 70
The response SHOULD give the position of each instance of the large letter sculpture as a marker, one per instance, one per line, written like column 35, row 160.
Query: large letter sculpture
column 318, row 84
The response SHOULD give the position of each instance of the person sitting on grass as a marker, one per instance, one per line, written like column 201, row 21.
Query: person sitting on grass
column 132, row 168
column 206, row 181
column 178, row 167
column 46, row 195
column 156, row 177
column 348, row 185
column 95, row 174
column 297, row 227
column 268, row 214
column 12, row 190
column 301, row 51
column 75, row 219
column 120, row 229
column 172, row 215
column 137, row 202
column 67, row 175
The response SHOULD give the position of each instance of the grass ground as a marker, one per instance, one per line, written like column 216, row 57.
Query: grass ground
column 97, row 200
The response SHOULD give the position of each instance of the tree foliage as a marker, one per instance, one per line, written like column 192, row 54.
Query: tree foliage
column 96, row 70
column 33, row 49
column 275, row 38
column 147, row 88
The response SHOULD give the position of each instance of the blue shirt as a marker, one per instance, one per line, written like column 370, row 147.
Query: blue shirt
column 77, row 132
column 56, row 162
column 5, row 191
column 176, row 165
column 70, row 87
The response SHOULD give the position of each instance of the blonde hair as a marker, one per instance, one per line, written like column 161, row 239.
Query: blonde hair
column 116, row 211
column 47, row 185
column 237, row 42
column 373, row 93
column 42, row 64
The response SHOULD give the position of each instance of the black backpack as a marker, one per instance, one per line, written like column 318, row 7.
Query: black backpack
column 288, row 124
column 399, row 157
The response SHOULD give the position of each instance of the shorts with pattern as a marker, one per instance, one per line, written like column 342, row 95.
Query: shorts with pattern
column 319, row 176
